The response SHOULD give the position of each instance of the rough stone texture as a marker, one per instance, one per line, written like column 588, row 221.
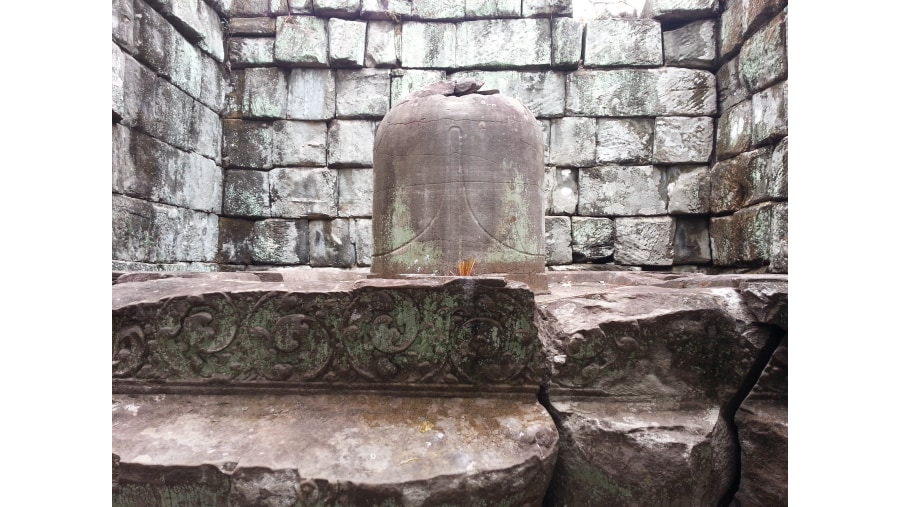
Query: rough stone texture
column 688, row 188
column 565, row 46
column 311, row 94
column 246, row 193
column 404, row 82
column 361, row 235
column 670, row 10
column 729, row 86
column 502, row 43
column 593, row 239
column 573, row 141
column 428, row 45
column 150, row 232
column 477, row 9
column 234, row 241
column 301, row 41
column 693, row 45
column 445, row 10
column 756, row 12
column 763, row 58
column 330, row 243
column 297, row 6
column 680, row 139
column 624, row 141
column 137, row 84
column 622, row 41
column 299, row 192
column 558, row 239
column 621, row 190
column 640, row 92
column 385, row 9
column 562, row 191
column 646, row 241
column 742, row 238
column 252, row 26
column 692, row 240
column 278, row 241
column 534, row 8
column 248, row 52
column 299, row 143
column 247, row 144
column 233, row 99
column 212, row 85
column 363, row 93
column 735, row 130
column 746, row 179
column 545, row 132
column 382, row 44
column 543, row 93
column 242, row 8
column 770, row 115
column 118, row 82
column 265, row 93
column 777, row 181
column 123, row 22
column 731, row 28
column 779, row 252
column 346, row 43
column 350, row 143
column 339, row 8
column 198, row 21
column 354, row 192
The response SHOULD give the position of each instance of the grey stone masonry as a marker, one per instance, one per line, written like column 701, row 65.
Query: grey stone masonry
column 565, row 44
column 350, row 143
column 246, row 193
column 338, row 8
column 234, row 240
column 680, row 139
column 346, row 43
column 151, row 232
column 123, row 23
column 729, row 86
column 770, row 115
column 265, row 93
column 118, row 82
column 745, row 179
column 731, row 29
column 691, row 240
column 742, row 238
column 363, row 93
column 645, row 241
column 233, row 100
column 164, row 50
column 734, row 131
column 561, row 191
column 763, row 58
column 252, row 26
column 477, row 9
column 680, row 9
column 331, row 244
column 428, row 45
column 573, row 141
column 361, row 235
column 641, row 92
column 279, row 241
column 543, row 93
column 779, row 248
column 446, row 10
column 625, row 140
column 248, row 52
column 385, row 9
column 621, row 190
column 242, row 8
column 247, row 144
column 212, row 85
column 301, row 41
column 558, row 240
column 311, row 94
column 692, row 45
column 299, row 143
column 298, row 6
column 355, row 192
column 198, row 21
column 404, row 82
column 502, row 43
column 688, row 187
column 382, row 44
column 621, row 41
column 756, row 12
column 540, row 8
column 593, row 239
column 300, row 192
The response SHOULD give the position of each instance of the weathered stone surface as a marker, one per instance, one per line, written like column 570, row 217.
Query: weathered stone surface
column 558, row 240
column 350, row 143
column 311, row 94
column 205, row 135
column 361, row 235
column 301, row 41
column 688, row 188
column 779, row 252
column 680, row 9
column 742, row 238
column 233, row 101
column 404, row 81
column 234, row 241
column 150, row 232
column 763, row 58
column 153, row 38
column 354, row 192
column 621, row 190
column 247, row 144
column 622, row 41
column 735, row 131
column 300, row 6
column 123, row 170
column 693, row 45
column 385, row 9
column 242, row 8
column 640, row 92
column 246, row 193
column 770, row 115
column 300, row 192
column 565, row 45
column 543, row 93
column 123, row 23
column 535, row 8
column 645, row 241
column 170, row 115
column 363, row 93
column 299, row 143
column 573, row 141
column 729, row 86
column 330, row 243
column 118, row 82
column 777, row 176
column 502, row 43
column 767, row 300
column 137, row 84
column 679, row 139
column 445, row 10
column 757, row 12
column 624, row 141
column 692, row 240
column 252, row 26
column 593, row 239
column 197, row 20
column 562, row 191
column 744, row 180
column 731, row 28
column 248, row 52
column 428, row 45
column 265, row 93
column 278, row 241
column 338, row 8
column 477, row 9
column 346, row 43
column 382, row 44
column 212, row 85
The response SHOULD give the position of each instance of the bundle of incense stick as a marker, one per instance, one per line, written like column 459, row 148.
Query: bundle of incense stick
column 465, row 267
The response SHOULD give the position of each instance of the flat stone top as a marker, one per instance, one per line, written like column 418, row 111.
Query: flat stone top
column 338, row 437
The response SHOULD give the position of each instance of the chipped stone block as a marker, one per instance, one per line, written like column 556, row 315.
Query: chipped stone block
column 731, row 28
column 385, row 9
column 361, row 235
column 250, row 52
column 680, row 139
column 252, row 26
column 279, row 241
column 692, row 45
column 573, row 141
column 770, row 115
column 355, row 192
column 646, row 241
column 779, row 248
column 382, row 44
column 247, row 144
column 742, row 238
column 622, row 41
column 735, row 131
column 688, row 188
column 301, row 41
column 593, row 239
column 330, row 243
column 729, row 86
column 565, row 46
column 763, row 58
column 346, row 43
column 265, row 93
column 246, row 193
column 299, row 143
column 300, row 192
column 671, row 10
column 558, row 240
column 151, row 232
column 233, row 101
column 502, row 43
column 740, row 181
column 691, row 240
column 406, row 81
column 540, row 8
column 479, row 9
column 563, row 191
column 363, row 93
column 543, row 93
column 621, row 190
column 640, row 92
column 625, row 141
column 212, row 88
column 234, row 241
column 123, row 23
column 336, row 8
column 311, row 94
column 350, row 143
column 445, row 10
column 428, row 45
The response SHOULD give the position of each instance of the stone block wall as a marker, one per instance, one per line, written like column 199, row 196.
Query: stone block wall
column 640, row 167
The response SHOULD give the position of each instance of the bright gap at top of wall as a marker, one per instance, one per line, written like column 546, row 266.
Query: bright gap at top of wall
column 584, row 10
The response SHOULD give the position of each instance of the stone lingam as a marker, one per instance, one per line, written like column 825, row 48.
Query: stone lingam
column 458, row 176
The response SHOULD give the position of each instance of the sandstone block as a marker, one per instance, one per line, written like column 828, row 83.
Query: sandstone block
column 543, row 93
column 152, row 38
column 479, row 9
column 730, row 88
column 621, row 190
column 361, row 235
column 691, row 240
column 382, row 44
column 593, row 239
column 234, row 241
column 330, row 243
column 680, row 139
column 250, row 52
column 300, row 192
column 545, row 133
column 247, row 144
column 565, row 46
column 744, row 238
column 265, row 93
column 779, row 248
column 680, row 9
column 777, row 180
column 186, row 64
column 404, row 81
column 502, row 43
column 735, row 130
column 645, row 241
column 346, row 43
column 233, row 101
column 757, row 12
column 763, row 58
column 350, row 143
column 158, row 233
column 354, row 192
column 299, row 143
column 743, row 180
column 385, row 9
column 693, row 45
column 770, row 115
column 573, row 141
column 167, row 113
column 625, row 141
column 336, row 8
column 123, row 170
column 640, row 92
column 279, row 7
column 427, row 45
column 252, row 26
column 301, row 41
column 123, row 23
column 540, row 8
column 606, row 9
column 212, row 88
column 311, row 94
column 562, row 191
column 278, row 241
column 246, row 193
column 206, row 133
column 138, row 84
column 300, row 6
column 363, row 93
column 198, row 21
column 118, row 82
column 688, row 188
column 242, row 8
column 447, row 10
column 622, row 41
column 558, row 239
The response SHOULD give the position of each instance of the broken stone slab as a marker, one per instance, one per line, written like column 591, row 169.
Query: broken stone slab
column 543, row 93
column 623, row 41
column 406, row 81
